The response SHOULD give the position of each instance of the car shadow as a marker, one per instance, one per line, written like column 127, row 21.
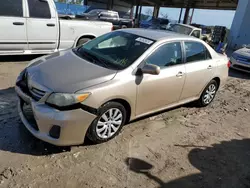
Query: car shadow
column 225, row 164
column 239, row 74
column 14, row 137
column 18, row 58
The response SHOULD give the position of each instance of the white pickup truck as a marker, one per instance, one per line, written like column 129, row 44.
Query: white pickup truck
column 33, row 27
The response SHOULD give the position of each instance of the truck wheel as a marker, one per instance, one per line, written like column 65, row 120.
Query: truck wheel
column 124, row 27
column 108, row 123
column 82, row 41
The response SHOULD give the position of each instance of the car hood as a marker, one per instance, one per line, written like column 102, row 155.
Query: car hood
column 67, row 73
column 243, row 52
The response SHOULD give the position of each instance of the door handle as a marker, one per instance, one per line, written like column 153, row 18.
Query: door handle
column 18, row 23
column 51, row 25
column 180, row 74
column 209, row 67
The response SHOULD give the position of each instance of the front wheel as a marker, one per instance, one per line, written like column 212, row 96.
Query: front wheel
column 109, row 122
column 208, row 94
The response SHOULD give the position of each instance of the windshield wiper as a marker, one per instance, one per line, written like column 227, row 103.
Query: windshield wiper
column 94, row 58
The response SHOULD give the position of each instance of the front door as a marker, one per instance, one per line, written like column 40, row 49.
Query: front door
column 13, row 36
column 199, row 69
column 155, row 92
column 42, row 26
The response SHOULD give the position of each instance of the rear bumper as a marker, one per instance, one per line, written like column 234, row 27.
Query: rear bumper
column 73, row 123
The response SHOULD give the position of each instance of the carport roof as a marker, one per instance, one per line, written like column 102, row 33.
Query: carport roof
column 200, row 4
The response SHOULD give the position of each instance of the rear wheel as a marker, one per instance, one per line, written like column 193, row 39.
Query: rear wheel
column 82, row 41
column 109, row 122
column 208, row 94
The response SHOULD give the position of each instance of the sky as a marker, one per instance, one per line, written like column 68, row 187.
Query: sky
column 201, row 16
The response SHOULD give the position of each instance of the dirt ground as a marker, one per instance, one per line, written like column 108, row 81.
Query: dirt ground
column 185, row 147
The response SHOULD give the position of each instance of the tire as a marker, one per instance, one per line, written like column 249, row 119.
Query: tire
column 204, row 100
column 96, row 132
column 124, row 27
column 82, row 41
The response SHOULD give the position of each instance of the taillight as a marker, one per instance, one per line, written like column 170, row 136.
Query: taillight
column 229, row 64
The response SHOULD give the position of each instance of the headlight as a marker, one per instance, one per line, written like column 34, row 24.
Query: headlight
column 64, row 100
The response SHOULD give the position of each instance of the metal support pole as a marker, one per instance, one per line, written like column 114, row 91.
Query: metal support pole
column 192, row 16
column 180, row 15
column 156, row 11
column 139, row 19
column 136, row 13
column 186, row 15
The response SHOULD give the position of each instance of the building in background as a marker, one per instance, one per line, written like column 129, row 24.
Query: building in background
column 240, row 29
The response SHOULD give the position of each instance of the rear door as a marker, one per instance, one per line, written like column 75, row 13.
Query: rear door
column 42, row 25
column 200, row 68
column 13, row 36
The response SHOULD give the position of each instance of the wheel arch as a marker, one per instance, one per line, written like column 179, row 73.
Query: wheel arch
column 90, row 36
column 126, row 105
column 217, row 79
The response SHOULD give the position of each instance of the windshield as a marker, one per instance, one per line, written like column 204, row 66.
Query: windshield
column 115, row 50
column 181, row 29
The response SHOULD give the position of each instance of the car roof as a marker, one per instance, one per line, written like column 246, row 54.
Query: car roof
column 157, row 34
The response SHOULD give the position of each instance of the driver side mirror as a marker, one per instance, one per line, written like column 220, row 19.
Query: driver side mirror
column 149, row 69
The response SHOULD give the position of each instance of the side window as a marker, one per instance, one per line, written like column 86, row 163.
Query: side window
column 196, row 34
column 167, row 55
column 11, row 8
column 39, row 9
column 196, row 51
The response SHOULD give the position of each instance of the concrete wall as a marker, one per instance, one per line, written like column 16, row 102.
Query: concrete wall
column 240, row 29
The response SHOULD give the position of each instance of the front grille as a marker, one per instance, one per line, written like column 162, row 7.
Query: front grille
column 31, row 91
column 37, row 94
column 242, row 67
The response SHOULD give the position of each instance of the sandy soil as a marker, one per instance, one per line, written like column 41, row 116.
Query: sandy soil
column 184, row 147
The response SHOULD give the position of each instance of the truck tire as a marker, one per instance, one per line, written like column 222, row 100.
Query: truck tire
column 82, row 41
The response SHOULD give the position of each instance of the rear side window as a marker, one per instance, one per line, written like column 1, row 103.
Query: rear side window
column 109, row 15
column 166, row 55
column 11, row 8
column 39, row 9
column 196, row 51
column 196, row 34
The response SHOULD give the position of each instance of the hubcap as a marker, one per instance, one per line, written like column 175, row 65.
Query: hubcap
column 210, row 93
column 109, row 123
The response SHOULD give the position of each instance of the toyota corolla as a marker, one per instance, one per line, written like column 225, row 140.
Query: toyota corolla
column 95, row 89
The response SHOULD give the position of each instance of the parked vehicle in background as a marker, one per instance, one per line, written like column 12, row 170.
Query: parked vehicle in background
column 205, row 31
column 109, row 16
column 95, row 89
column 155, row 23
column 186, row 30
column 33, row 27
column 240, row 59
